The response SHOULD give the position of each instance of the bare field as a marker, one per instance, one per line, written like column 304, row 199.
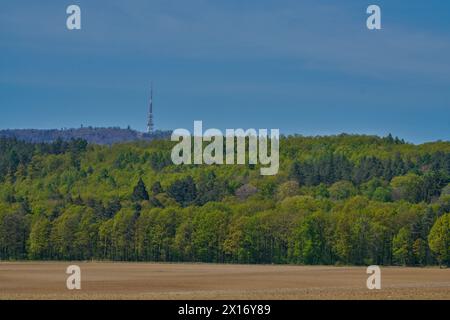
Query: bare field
column 47, row 280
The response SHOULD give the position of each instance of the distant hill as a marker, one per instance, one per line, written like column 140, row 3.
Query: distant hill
column 92, row 135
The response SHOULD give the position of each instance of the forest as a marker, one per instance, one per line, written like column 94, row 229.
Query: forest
column 337, row 200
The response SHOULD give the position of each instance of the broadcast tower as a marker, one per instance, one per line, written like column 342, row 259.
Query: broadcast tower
column 150, row 124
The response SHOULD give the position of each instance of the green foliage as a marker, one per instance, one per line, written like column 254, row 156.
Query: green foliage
column 122, row 235
column 157, row 188
column 208, row 188
column 312, row 245
column 140, row 192
column 40, row 233
column 184, row 191
column 287, row 189
column 159, row 160
column 403, row 247
column 446, row 191
column 439, row 239
column 14, row 229
column 336, row 200
column 342, row 190
column 382, row 194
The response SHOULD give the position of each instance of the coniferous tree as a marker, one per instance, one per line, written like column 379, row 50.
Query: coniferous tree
column 140, row 192
column 183, row 191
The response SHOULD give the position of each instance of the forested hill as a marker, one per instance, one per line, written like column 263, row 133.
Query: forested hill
column 92, row 135
column 344, row 199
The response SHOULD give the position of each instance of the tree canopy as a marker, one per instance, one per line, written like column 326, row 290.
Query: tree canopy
column 344, row 199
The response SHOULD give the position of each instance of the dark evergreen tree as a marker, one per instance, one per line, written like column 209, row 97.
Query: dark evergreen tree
column 183, row 191
column 209, row 189
column 140, row 192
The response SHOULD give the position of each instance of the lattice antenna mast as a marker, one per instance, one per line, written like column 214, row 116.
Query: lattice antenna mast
column 150, row 124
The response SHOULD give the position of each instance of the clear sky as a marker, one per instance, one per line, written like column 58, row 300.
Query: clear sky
column 307, row 67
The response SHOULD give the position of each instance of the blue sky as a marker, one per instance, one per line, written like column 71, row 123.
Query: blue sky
column 307, row 67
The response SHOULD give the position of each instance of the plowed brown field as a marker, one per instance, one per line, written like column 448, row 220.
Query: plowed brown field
column 47, row 280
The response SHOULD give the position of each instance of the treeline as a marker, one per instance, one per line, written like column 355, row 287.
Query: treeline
column 337, row 200
column 15, row 154
column 90, row 134
column 299, row 229
column 427, row 175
